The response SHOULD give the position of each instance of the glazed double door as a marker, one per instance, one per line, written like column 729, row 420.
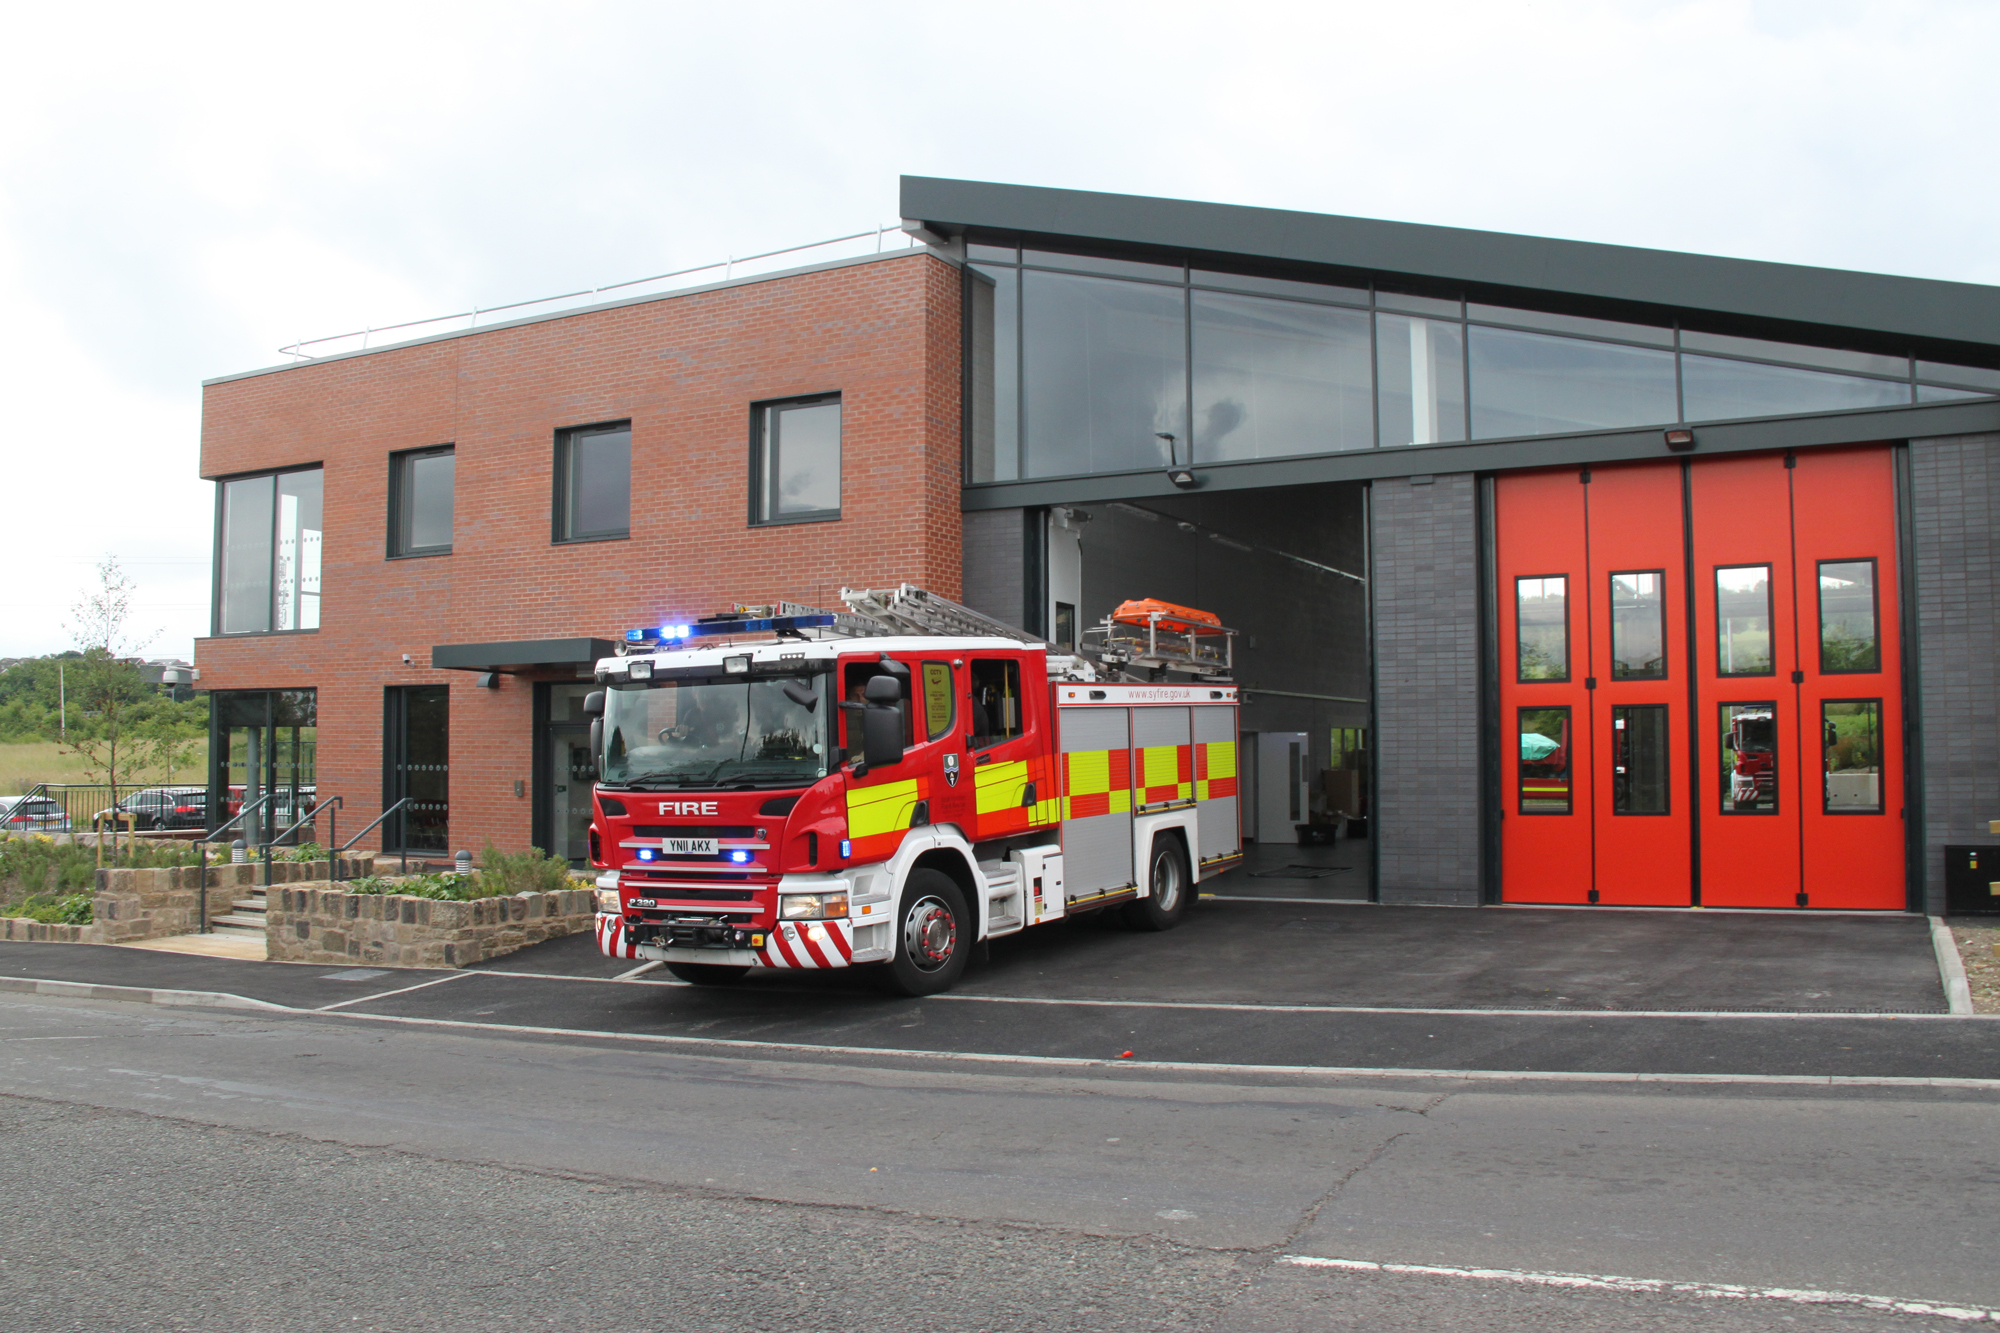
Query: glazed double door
column 1700, row 683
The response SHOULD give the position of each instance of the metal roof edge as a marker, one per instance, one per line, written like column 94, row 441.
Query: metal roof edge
column 1928, row 308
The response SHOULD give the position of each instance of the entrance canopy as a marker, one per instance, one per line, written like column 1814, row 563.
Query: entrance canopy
column 521, row 655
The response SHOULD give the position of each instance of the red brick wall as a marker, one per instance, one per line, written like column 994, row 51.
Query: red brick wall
column 684, row 370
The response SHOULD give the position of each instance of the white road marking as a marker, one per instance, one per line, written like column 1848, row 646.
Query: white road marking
column 640, row 970
column 383, row 995
column 1250, row 1007
column 1971, row 1314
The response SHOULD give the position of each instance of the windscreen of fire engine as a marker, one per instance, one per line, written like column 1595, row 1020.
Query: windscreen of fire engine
column 716, row 732
column 1545, row 743
column 1749, row 783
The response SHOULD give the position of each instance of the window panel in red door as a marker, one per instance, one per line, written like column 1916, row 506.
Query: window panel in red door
column 1545, row 801
column 1853, row 781
column 1745, row 650
column 1638, row 620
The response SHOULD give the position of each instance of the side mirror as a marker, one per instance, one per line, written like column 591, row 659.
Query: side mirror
column 801, row 694
column 884, row 690
column 597, row 740
column 881, row 733
column 593, row 703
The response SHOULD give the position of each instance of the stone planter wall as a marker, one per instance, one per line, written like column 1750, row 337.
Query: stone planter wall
column 147, row 904
column 319, row 923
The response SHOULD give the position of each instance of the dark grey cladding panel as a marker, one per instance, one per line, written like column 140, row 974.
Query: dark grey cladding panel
column 995, row 580
column 1426, row 590
column 1748, row 289
column 1955, row 514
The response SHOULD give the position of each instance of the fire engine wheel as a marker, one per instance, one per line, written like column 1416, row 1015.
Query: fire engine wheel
column 707, row 974
column 933, row 935
column 1170, row 890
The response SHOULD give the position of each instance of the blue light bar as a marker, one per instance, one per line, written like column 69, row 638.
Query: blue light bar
column 710, row 629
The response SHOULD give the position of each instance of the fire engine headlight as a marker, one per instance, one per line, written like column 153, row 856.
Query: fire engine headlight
column 811, row 906
column 607, row 901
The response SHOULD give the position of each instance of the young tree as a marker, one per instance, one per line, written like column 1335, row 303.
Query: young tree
column 105, row 683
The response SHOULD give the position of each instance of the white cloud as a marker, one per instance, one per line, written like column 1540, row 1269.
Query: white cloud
column 184, row 188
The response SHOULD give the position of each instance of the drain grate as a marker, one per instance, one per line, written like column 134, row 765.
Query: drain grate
column 1299, row 872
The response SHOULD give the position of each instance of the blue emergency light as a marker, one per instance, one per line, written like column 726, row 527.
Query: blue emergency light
column 721, row 626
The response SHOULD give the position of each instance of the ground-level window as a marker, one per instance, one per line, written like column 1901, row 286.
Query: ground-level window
column 416, row 767
column 263, row 748
column 1545, row 768
column 1749, row 784
column 268, row 552
column 1851, row 732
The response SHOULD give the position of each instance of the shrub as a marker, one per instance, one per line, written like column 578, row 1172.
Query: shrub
column 305, row 851
column 68, row 910
column 531, row 871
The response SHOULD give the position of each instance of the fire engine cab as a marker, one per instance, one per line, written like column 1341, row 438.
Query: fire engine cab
column 787, row 787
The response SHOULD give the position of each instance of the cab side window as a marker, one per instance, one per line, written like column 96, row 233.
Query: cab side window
column 938, row 701
column 853, row 689
column 994, row 707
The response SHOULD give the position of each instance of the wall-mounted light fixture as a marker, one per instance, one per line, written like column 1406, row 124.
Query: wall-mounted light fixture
column 1680, row 441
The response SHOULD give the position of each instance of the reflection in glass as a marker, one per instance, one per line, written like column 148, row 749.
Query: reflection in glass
column 1005, row 254
column 1311, row 291
column 1589, row 328
column 1544, row 761
column 1124, row 268
column 995, row 427
column 1538, row 384
column 1966, row 377
column 423, row 495
column 1639, row 626
column 800, row 463
column 1273, row 378
column 1105, row 373
column 1717, row 390
column 1441, row 307
column 1639, row 760
column 1826, row 358
column 1743, row 620
column 1542, row 627
column 1933, row 393
column 300, row 501
column 1749, row 759
column 246, row 555
column 1847, row 633
column 1421, row 363
column 1851, row 734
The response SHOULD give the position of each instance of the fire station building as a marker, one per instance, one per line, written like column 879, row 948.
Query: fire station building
column 1561, row 572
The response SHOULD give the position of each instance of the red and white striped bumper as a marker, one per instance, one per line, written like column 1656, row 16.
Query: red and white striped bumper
column 799, row 944
column 611, row 937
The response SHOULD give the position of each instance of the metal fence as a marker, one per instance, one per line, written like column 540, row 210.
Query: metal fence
column 82, row 809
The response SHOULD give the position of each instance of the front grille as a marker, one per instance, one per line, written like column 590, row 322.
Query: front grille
column 682, row 894
column 679, row 872
column 742, row 831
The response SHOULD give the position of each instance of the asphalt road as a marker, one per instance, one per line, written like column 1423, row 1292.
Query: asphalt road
column 172, row 1168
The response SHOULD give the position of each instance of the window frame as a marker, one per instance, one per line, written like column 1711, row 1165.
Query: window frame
column 1726, row 786
column 1569, row 762
column 923, row 677
column 1611, row 605
column 1564, row 678
column 399, row 496
column 1881, row 760
column 1770, row 619
column 1666, row 758
column 760, row 416
column 559, row 508
column 216, row 571
column 1874, row 612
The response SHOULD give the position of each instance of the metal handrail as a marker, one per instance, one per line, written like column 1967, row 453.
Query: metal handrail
column 310, row 815
column 201, row 844
column 728, row 267
column 370, row 829
column 249, row 809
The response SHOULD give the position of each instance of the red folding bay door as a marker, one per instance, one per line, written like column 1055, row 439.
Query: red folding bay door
column 1700, row 683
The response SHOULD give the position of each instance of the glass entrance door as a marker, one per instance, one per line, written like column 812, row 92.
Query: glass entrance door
column 416, row 755
column 569, row 774
column 1700, row 683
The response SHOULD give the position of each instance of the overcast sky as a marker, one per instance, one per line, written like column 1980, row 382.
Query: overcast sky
column 184, row 188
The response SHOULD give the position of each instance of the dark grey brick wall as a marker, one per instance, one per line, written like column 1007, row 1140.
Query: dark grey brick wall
column 1425, row 544
column 1955, row 506
column 994, row 578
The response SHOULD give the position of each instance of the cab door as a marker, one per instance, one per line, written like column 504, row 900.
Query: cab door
column 1004, row 729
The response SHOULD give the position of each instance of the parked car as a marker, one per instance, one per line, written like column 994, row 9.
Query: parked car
column 158, row 808
column 19, row 814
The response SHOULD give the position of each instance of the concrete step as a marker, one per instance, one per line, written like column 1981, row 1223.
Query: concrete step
column 216, row 927
column 241, row 921
column 249, row 904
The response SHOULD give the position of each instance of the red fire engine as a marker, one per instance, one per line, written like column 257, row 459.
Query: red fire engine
column 785, row 787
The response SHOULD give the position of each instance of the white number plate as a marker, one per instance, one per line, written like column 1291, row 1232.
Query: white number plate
column 688, row 846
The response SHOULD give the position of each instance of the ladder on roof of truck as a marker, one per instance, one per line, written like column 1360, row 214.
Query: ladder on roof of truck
column 908, row 609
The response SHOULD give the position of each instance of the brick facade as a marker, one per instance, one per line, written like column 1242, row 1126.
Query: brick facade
column 684, row 369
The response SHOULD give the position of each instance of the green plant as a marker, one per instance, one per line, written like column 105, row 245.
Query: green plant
column 443, row 886
column 531, row 871
column 36, row 863
column 305, row 851
column 67, row 910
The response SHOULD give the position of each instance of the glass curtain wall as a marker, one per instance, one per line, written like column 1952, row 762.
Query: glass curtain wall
column 263, row 758
column 1080, row 364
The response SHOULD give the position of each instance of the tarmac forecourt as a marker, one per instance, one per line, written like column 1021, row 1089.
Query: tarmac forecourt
column 1853, row 1017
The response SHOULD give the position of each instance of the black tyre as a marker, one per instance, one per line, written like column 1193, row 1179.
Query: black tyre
column 1170, row 889
column 707, row 974
column 933, row 935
